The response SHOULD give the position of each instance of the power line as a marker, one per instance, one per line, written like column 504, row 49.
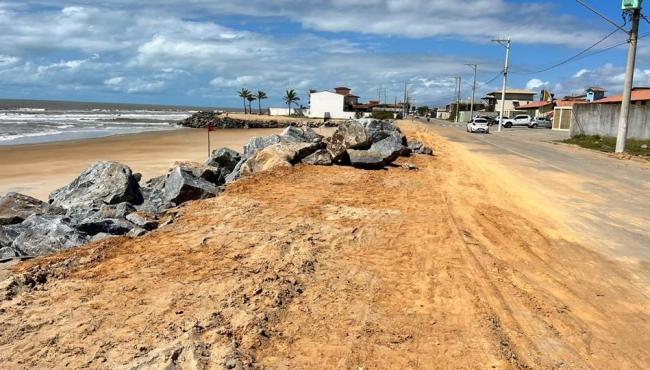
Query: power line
column 571, row 58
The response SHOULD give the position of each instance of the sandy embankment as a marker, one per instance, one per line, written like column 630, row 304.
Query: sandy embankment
column 337, row 268
column 38, row 169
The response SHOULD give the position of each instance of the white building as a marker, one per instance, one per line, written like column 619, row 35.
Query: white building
column 337, row 105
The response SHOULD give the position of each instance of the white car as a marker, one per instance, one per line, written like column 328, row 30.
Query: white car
column 519, row 120
column 478, row 125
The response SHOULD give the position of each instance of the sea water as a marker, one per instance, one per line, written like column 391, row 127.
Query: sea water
column 29, row 122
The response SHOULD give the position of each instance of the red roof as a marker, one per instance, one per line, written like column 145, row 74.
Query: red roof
column 568, row 103
column 638, row 94
column 534, row 105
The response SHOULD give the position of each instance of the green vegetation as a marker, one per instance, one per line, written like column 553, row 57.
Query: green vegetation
column 608, row 144
column 261, row 95
column 383, row 115
column 423, row 110
column 245, row 94
column 290, row 97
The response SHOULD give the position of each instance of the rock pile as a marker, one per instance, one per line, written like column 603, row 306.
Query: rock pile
column 107, row 198
column 221, row 120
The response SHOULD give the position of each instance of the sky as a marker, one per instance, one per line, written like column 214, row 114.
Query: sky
column 201, row 52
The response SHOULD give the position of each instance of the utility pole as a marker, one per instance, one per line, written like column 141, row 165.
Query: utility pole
column 457, row 117
column 507, row 44
column 621, row 137
column 404, row 101
column 475, row 67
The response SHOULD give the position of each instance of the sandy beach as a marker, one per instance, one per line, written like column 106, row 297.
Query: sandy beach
column 38, row 169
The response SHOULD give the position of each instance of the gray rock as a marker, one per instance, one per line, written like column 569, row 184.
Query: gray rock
column 390, row 147
column 301, row 134
column 101, row 183
column 278, row 155
column 182, row 185
column 211, row 174
column 236, row 172
column 418, row 147
column 100, row 236
column 380, row 153
column 137, row 232
column 7, row 236
column 145, row 220
column 349, row 135
column 45, row 234
column 258, row 143
column 95, row 225
column 224, row 158
column 378, row 130
column 15, row 208
column 320, row 157
column 365, row 158
column 153, row 193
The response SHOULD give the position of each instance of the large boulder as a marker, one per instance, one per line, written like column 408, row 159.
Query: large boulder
column 153, row 193
column 349, row 135
column 16, row 207
column 45, row 234
column 278, row 155
column 102, row 183
column 321, row 157
column 224, row 158
column 381, row 153
column 181, row 185
column 258, row 143
column 378, row 130
column 211, row 174
column 301, row 135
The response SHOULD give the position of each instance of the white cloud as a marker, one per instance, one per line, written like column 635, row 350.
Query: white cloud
column 537, row 84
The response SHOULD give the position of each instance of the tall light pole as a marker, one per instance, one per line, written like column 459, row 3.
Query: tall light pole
column 507, row 44
column 475, row 67
column 621, row 137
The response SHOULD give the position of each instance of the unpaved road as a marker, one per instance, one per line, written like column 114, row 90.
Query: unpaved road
column 603, row 198
column 331, row 267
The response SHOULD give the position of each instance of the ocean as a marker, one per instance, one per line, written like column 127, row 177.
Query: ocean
column 38, row 121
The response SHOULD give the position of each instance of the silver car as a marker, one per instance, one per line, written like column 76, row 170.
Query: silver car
column 478, row 125
column 540, row 122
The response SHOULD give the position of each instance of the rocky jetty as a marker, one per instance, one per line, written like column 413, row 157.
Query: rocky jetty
column 222, row 120
column 107, row 199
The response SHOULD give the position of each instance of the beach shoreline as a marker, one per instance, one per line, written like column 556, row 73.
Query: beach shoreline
column 39, row 169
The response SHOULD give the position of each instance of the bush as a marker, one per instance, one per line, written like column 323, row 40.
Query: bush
column 383, row 115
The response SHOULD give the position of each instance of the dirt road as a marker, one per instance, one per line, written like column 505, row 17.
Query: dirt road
column 332, row 267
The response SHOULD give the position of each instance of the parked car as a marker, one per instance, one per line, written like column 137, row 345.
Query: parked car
column 519, row 120
column 490, row 120
column 478, row 125
column 541, row 122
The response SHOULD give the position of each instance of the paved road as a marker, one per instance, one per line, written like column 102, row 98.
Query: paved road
column 608, row 199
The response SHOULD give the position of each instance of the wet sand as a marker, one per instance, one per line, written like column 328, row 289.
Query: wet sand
column 38, row 169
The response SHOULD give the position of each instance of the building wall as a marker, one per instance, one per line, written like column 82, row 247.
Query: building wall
column 602, row 119
column 285, row 111
column 326, row 104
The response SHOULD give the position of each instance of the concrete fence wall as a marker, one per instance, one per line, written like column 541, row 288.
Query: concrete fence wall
column 602, row 119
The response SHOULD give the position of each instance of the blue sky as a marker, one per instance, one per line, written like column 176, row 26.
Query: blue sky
column 200, row 52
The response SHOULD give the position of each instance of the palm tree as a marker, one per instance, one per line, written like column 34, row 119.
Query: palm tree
column 291, row 97
column 251, row 98
column 260, row 95
column 244, row 94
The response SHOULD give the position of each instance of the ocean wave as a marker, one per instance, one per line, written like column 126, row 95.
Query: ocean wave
column 29, row 134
